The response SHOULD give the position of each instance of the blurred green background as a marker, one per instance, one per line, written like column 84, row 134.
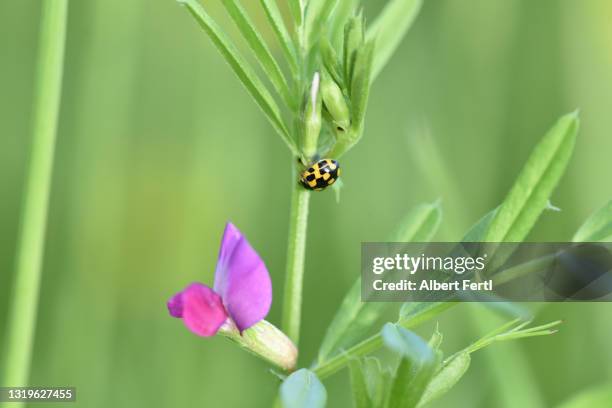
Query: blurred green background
column 159, row 146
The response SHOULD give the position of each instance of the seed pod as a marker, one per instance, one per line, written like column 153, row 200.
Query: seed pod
column 334, row 101
column 312, row 118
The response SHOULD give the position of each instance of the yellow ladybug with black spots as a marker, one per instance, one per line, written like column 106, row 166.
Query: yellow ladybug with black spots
column 320, row 175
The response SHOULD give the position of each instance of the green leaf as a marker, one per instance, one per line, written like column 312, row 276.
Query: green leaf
column 358, row 385
column 414, row 313
column 331, row 61
column 341, row 14
column 355, row 318
column 419, row 224
column 369, row 382
column 302, row 389
column 244, row 72
column 503, row 307
column 598, row 227
column 360, row 86
column 259, row 48
column 530, row 194
column 594, row 397
column 317, row 16
column 389, row 29
column 417, row 366
column 352, row 321
column 457, row 365
column 476, row 234
column 297, row 10
column 353, row 40
column 513, row 330
column 278, row 25
column 445, row 379
column 478, row 231
column 435, row 341
column 378, row 380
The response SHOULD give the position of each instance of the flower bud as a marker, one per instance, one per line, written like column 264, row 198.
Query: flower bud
column 265, row 341
column 312, row 118
column 335, row 103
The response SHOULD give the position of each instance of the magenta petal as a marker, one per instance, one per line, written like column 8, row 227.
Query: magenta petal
column 203, row 311
column 242, row 280
column 175, row 305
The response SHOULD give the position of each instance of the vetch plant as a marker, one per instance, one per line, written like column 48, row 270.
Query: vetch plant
column 318, row 96
column 316, row 100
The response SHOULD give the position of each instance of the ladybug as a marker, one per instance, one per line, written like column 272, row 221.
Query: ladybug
column 320, row 175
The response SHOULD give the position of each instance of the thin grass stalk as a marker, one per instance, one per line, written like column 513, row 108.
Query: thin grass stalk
column 21, row 327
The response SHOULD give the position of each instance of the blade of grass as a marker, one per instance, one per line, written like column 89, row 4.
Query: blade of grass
column 259, row 48
column 244, row 72
column 23, row 310
column 389, row 29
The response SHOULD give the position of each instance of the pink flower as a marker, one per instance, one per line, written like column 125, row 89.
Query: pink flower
column 242, row 292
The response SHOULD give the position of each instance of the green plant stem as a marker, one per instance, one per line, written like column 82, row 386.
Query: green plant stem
column 23, row 310
column 298, row 218
column 296, row 250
